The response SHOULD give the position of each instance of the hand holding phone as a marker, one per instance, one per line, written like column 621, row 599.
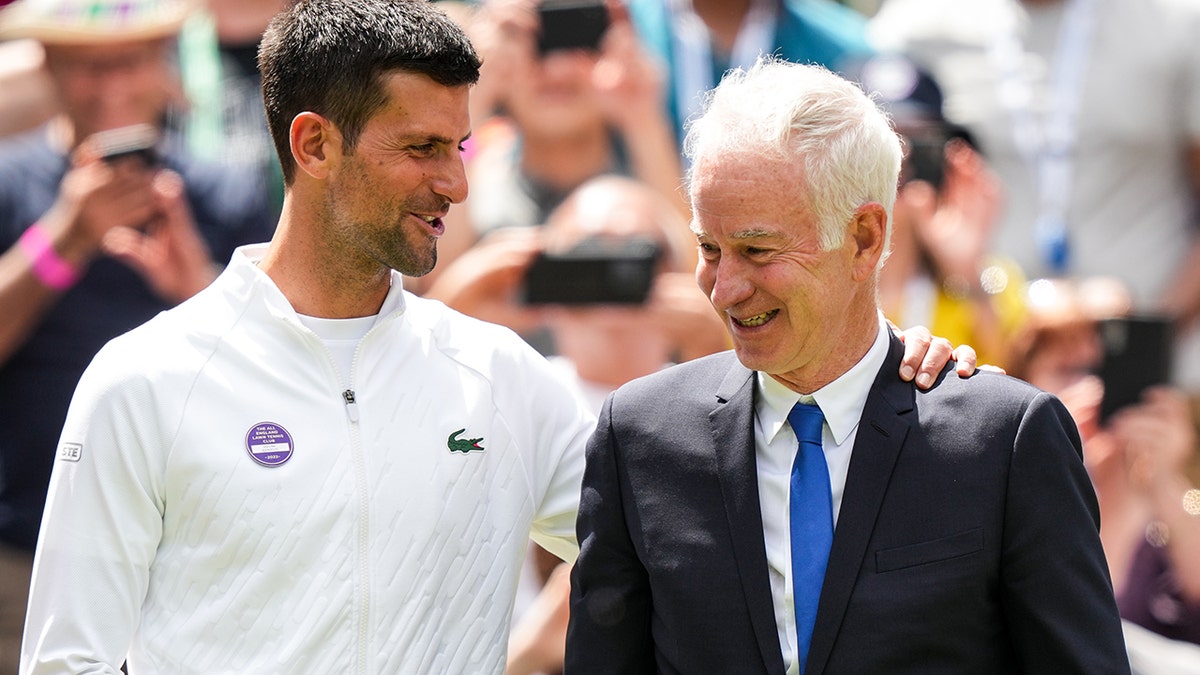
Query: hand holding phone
column 595, row 272
column 138, row 141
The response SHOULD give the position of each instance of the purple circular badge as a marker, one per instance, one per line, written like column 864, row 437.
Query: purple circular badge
column 269, row 444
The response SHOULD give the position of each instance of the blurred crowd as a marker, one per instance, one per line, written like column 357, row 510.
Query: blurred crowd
column 1047, row 216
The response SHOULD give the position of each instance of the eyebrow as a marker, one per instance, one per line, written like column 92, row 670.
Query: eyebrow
column 740, row 234
column 434, row 138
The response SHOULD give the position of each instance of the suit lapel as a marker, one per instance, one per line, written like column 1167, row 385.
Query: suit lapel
column 881, row 434
column 733, row 437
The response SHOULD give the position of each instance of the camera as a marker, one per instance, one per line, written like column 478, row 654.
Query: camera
column 571, row 24
column 136, row 141
column 1137, row 355
column 596, row 271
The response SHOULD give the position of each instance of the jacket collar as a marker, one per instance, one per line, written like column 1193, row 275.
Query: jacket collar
column 248, row 281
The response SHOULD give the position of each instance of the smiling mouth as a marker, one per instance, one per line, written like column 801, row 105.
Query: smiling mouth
column 756, row 320
column 435, row 222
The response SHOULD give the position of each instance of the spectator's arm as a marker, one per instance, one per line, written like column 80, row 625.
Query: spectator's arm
column 94, row 198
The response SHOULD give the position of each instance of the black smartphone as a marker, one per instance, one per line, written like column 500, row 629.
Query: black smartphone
column 136, row 141
column 571, row 24
column 595, row 272
column 1137, row 355
column 926, row 157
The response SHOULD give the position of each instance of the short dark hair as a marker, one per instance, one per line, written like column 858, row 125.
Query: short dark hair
column 328, row 57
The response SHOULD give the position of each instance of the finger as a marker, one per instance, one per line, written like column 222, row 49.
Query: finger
column 935, row 359
column 126, row 245
column 965, row 359
column 916, row 344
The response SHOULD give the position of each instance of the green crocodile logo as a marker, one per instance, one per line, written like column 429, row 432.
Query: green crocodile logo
column 463, row 445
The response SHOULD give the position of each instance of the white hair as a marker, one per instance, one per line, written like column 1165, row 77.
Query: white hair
column 840, row 139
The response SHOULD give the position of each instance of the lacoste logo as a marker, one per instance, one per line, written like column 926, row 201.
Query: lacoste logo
column 463, row 445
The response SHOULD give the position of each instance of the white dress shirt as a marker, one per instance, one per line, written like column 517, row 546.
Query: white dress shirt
column 842, row 402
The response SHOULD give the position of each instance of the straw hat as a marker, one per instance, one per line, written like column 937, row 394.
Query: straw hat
column 88, row 22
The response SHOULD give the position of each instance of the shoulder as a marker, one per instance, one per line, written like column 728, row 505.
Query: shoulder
column 469, row 341
column 698, row 380
column 990, row 405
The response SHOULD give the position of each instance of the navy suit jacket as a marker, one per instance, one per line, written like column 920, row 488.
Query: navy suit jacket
column 967, row 540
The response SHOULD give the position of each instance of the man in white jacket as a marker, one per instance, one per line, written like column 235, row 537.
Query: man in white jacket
column 304, row 469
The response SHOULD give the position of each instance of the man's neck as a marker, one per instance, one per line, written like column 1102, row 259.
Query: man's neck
column 317, row 276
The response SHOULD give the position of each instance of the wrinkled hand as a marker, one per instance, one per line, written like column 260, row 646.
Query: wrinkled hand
column 925, row 355
column 168, row 253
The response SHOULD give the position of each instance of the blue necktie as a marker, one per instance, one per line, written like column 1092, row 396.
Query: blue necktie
column 811, row 506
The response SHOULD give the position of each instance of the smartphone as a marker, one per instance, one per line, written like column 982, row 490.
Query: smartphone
column 571, row 24
column 596, row 272
column 1137, row 355
column 136, row 141
column 926, row 157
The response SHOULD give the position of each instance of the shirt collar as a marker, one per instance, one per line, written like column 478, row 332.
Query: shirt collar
column 842, row 400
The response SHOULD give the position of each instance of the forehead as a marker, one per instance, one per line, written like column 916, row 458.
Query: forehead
column 746, row 189
column 417, row 105
column 88, row 53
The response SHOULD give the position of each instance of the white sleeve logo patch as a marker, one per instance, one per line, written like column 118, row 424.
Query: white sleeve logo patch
column 70, row 452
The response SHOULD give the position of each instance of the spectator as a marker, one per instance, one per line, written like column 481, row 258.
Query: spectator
column 1089, row 112
column 218, row 106
column 91, row 248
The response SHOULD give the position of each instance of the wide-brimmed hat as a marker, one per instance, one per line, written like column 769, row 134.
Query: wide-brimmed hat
column 86, row 22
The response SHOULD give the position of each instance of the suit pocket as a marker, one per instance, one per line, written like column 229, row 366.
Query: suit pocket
column 946, row 548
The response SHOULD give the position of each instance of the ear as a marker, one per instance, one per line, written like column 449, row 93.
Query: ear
column 868, row 234
column 316, row 144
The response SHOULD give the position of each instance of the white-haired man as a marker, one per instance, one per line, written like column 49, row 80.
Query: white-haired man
column 948, row 530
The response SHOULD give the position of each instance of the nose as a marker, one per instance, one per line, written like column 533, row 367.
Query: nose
column 724, row 282
column 451, row 181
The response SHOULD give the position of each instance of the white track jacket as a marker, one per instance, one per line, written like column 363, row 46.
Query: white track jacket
column 221, row 503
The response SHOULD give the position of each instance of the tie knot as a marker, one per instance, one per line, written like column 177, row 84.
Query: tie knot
column 806, row 421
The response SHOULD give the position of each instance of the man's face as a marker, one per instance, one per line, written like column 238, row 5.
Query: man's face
column 553, row 95
column 388, row 196
column 113, row 85
column 785, row 301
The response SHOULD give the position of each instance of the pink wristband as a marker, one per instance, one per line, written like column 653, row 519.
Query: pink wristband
column 48, row 267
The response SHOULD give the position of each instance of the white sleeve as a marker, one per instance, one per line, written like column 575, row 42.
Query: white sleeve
column 562, row 424
column 101, row 526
